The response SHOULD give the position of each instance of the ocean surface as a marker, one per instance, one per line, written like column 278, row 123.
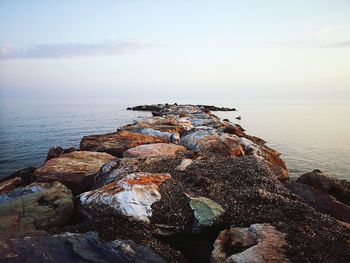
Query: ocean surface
column 309, row 134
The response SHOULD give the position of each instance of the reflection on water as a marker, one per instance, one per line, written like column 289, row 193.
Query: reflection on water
column 309, row 135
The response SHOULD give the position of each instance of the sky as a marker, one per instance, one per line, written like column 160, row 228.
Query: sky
column 129, row 49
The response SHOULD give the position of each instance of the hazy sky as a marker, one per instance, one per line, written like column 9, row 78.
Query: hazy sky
column 175, row 49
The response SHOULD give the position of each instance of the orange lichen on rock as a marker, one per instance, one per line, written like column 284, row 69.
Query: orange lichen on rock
column 149, row 179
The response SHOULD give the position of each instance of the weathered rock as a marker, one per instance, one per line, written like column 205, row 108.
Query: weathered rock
column 154, row 150
column 76, row 170
column 10, row 184
column 131, row 196
column 321, row 201
column 117, row 143
column 74, row 248
column 270, row 156
column 34, row 207
column 257, row 244
column 212, row 143
column 206, row 212
column 184, row 164
column 340, row 189
column 26, row 174
column 160, row 107
column 57, row 151
column 115, row 170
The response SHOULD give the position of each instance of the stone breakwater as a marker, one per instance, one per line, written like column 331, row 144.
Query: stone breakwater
column 181, row 186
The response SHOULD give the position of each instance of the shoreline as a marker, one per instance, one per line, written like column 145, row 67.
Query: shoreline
column 180, row 175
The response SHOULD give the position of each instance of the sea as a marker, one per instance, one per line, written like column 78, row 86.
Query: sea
column 310, row 134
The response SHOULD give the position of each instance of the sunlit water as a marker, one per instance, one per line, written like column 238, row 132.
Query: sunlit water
column 309, row 134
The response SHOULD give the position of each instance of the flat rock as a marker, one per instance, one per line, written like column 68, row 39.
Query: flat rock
column 131, row 196
column 340, row 189
column 154, row 150
column 206, row 212
column 260, row 243
column 74, row 248
column 76, row 170
column 117, row 143
column 34, row 207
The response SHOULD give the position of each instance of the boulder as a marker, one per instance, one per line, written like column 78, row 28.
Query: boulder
column 321, row 201
column 10, row 184
column 115, row 170
column 34, row 207
column 117, row 143
column 260, row 243
column 71, row 248
column 131, row 196
column 76, row 170
column 211, row 143
column 26, row 174
column 57, row 151
column 340, row 189
column 154, row 150
column 206, row 212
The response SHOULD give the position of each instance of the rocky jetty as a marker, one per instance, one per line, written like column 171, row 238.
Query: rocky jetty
column 181, row 186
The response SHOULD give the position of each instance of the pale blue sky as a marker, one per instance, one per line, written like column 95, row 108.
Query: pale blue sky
column 175, row 49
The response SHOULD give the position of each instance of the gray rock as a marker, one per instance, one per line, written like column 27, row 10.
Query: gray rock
column 72, row 248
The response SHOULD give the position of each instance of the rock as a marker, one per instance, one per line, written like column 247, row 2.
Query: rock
column 160, row 107
column 183, row 165
column 34, row 207
column 340, row 189
column 131, row 196
column 10, row 184
column 73, row 248
column 170, row 136
column 117, row 143
column 206, row 212
column 321, row 201
column 26, row 174
column 212, row 143
column 115, row 170
column 239, row 117
column 270, row 156
column 154, row 150
column 259, row 243
column 57, row 151
column 76, row 170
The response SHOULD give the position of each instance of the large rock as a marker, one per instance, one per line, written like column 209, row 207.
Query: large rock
column 10, row 184
column 206, row 212
column 57, row 151
column 211, row 143
column 131, row 196
column 340, row 189
column 72, row 248
column 321, row 201
column 76, row 170
column 154, row 150
column 117, row 143
column 115, row 170
column 260, row 243
column 34, row 207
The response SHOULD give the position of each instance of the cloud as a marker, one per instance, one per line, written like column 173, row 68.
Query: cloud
column 338, row 44
column 72, row 50
column 316, row 38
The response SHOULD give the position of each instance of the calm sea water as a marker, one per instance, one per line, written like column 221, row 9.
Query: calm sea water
column 309, row 134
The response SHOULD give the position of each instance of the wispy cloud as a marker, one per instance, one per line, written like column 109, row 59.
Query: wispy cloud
column 338, row 44
column 72, row 50
column 324, row 37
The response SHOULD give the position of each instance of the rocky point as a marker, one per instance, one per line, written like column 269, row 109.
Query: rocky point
column 179, row 186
